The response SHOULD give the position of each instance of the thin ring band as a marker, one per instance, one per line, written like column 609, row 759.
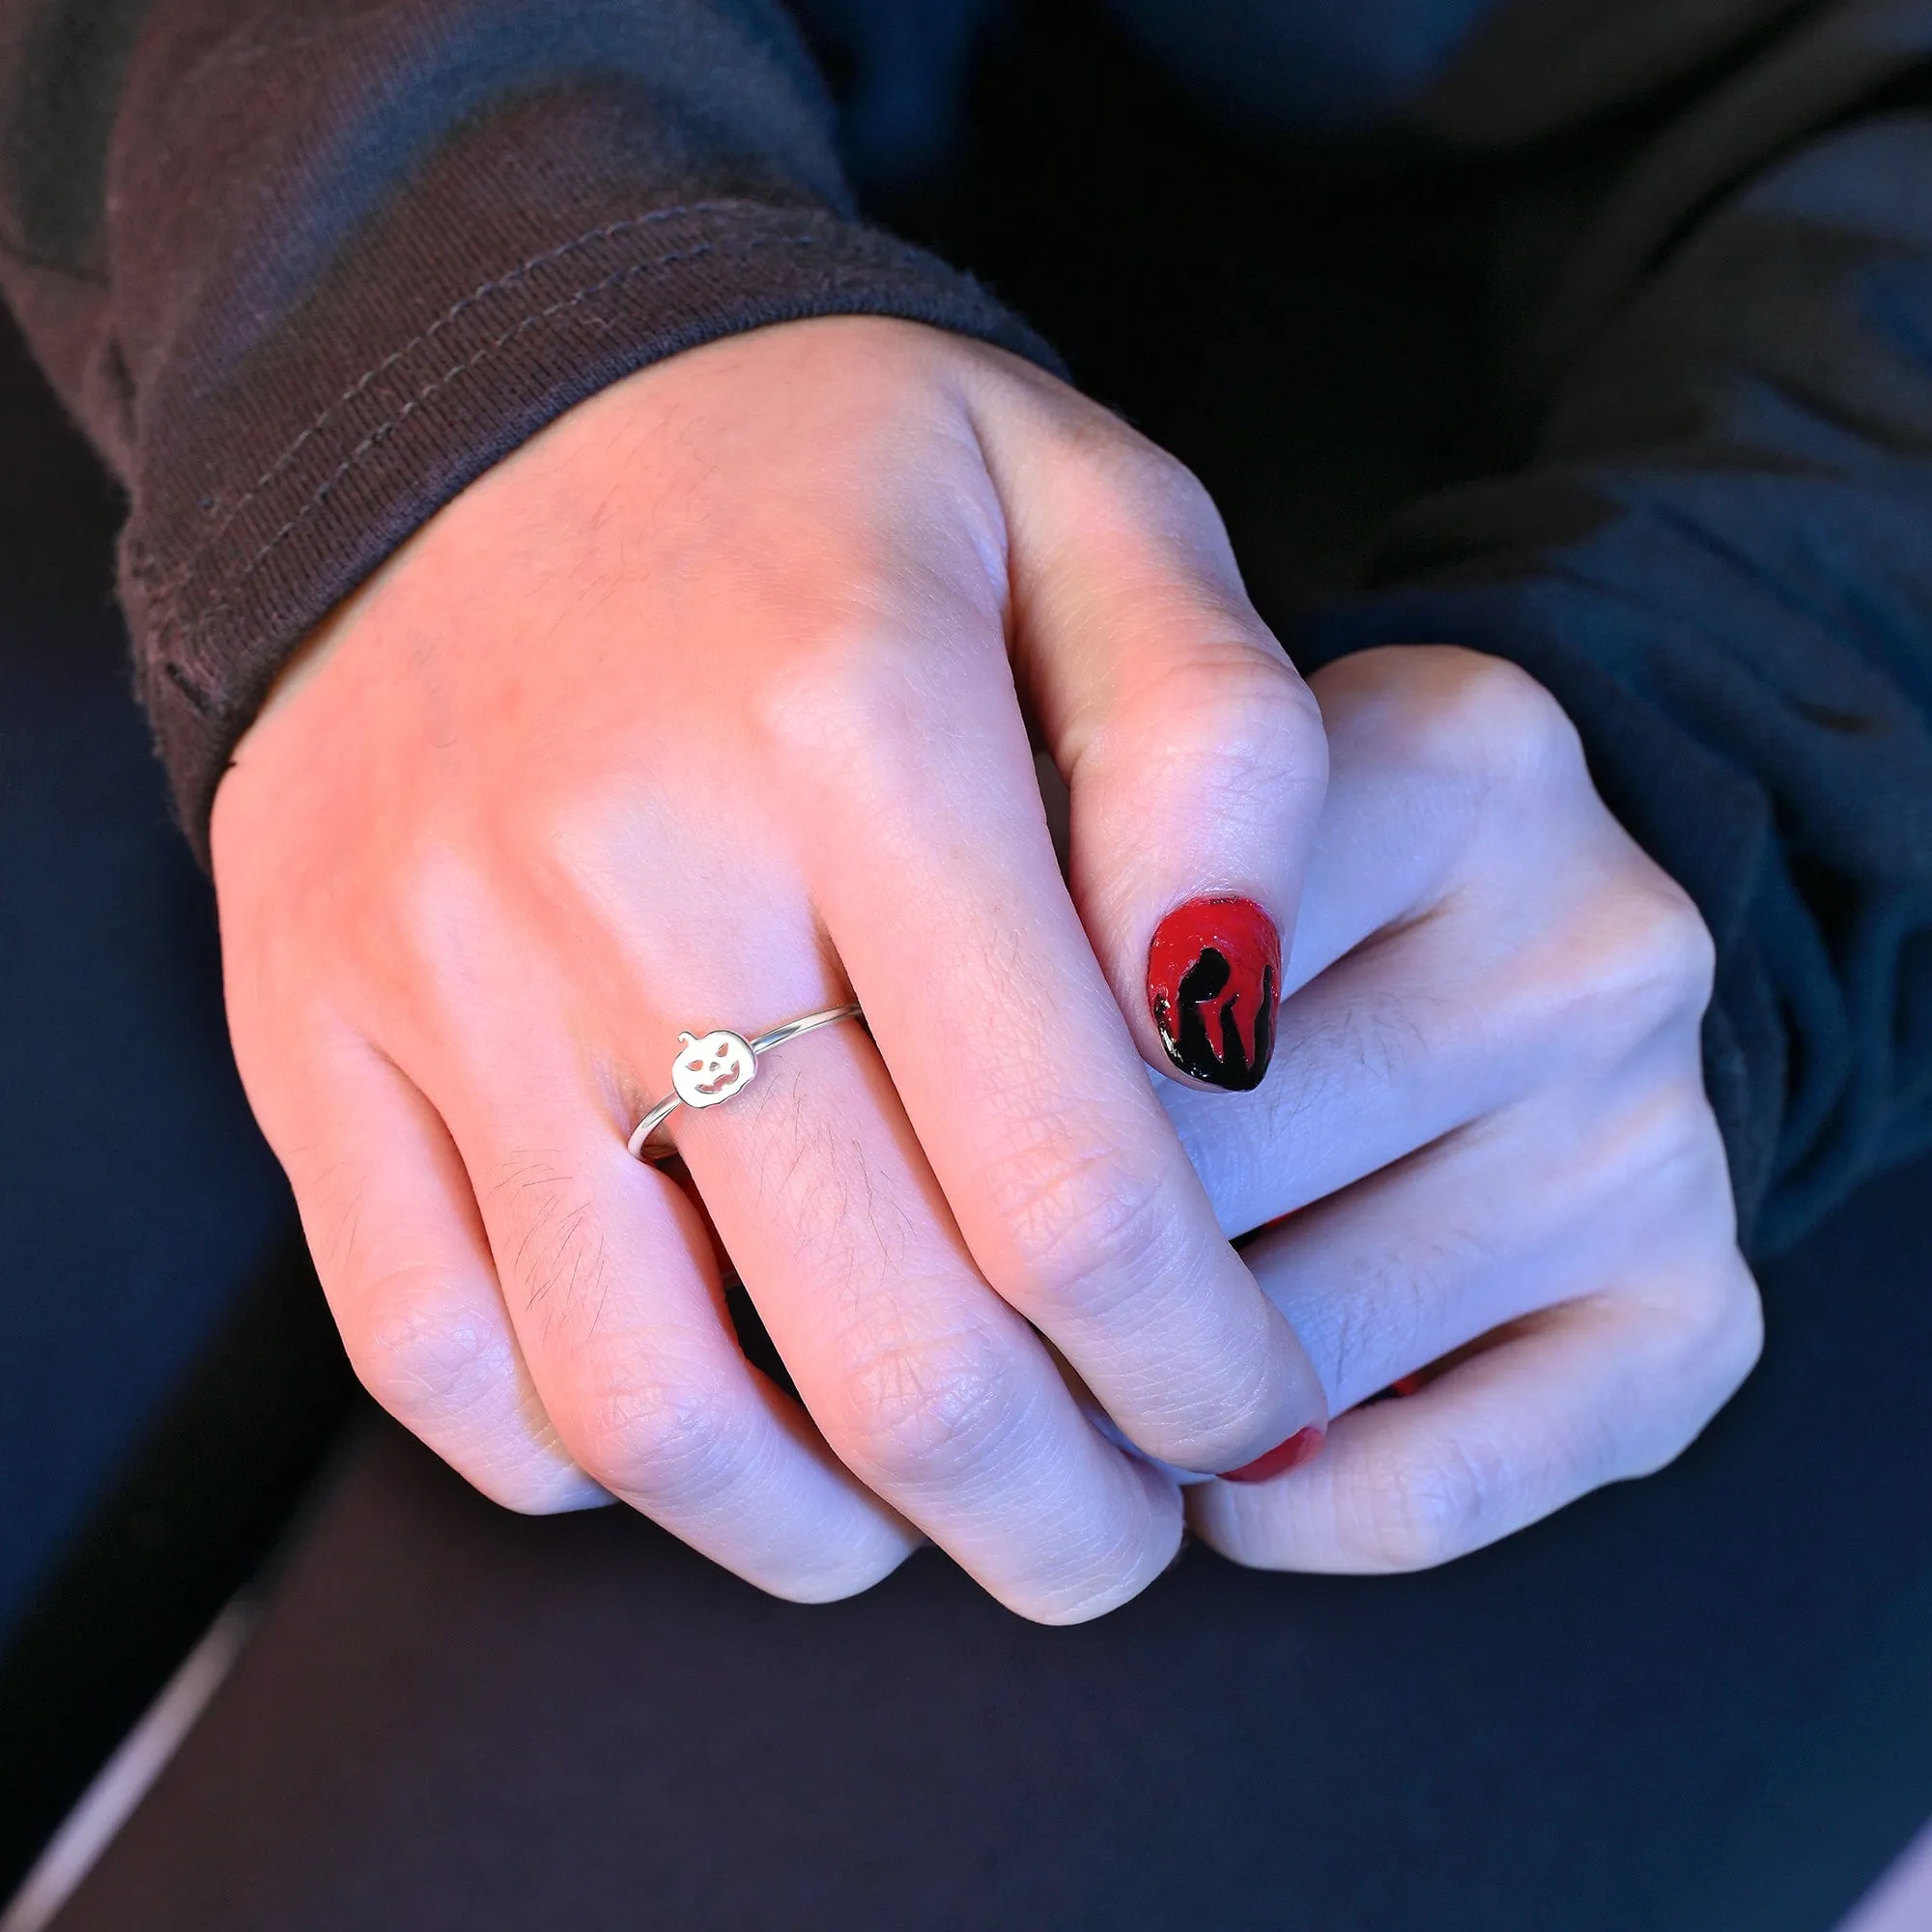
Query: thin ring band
column 731, row 1060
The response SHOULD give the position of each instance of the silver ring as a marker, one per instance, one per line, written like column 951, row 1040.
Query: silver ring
column 716, row 1066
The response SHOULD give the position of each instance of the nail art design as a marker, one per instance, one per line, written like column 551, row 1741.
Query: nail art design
column 1303, row 1446
column 1213, row 984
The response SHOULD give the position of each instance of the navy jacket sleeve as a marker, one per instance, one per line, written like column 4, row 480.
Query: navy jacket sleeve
column 305, row 267
column 1719, row 559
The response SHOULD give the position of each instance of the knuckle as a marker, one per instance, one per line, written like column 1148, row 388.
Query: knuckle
column 1684, row 1170
column 931, row 1409
column 646, row 1427
column 1103, row 463
column 1416, row 1518
column 434, row 906
column 1646, row 962
column 1143, row 509
column 839, row 704
column 426, row 1351
column 1230, row 716
column 1658, row 1155
column 1736, row 1343
column 1078, row 1225
column 1487, row 722
column 569, row 832
column 1708, row 1333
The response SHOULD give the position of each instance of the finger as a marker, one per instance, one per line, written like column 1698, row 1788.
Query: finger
column 1536, row 1204
column 931, row 1389
column 1592, row 1392
column 1385, row 1054
column 1193, row 752
column 402, row 1257
column 1433, row 1026
column 943, row 900
column 1376, row 1054
column 611, row 1285
column 1463, row 942
column 1436, row 752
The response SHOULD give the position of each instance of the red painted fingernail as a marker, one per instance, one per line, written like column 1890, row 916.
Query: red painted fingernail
column 1213, row 986
column 1303, row 1446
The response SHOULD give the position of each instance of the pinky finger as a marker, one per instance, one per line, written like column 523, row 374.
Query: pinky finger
column 393, row 1227
column 1594, row 1391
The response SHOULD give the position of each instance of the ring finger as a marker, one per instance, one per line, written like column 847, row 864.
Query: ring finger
column 1542, row 1203
column 1583, row 1296
column 613, row 1288
column 929, row 1387
column 1594, row 1391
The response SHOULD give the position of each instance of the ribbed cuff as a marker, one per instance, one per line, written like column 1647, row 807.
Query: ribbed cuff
column 224, row 578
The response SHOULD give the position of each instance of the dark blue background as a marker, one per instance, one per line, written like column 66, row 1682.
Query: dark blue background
column 137, row 1200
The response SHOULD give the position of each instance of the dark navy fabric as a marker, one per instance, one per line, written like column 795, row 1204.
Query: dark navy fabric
column 307, row 268
column 137, row 1199
column 1698, row 1703
column 1701, row 1701
column 1720, row 560
column 343, row 257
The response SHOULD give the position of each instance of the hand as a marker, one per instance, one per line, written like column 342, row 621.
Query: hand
column 1487, row 1128
column 704, row 709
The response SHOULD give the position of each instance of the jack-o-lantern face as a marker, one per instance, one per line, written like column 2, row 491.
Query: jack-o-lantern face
column 713, row 1069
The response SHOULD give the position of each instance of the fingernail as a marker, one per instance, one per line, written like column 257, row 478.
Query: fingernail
column 1303, row 1446
column 1213, row 984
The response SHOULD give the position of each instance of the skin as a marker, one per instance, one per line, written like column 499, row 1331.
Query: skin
column 706, row 709
column 711, row 707
column 1487, row 1128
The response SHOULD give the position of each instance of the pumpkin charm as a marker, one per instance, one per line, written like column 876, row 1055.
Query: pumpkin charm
column 712, row 1068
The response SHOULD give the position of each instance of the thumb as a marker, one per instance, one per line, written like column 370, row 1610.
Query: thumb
column 1192, row 751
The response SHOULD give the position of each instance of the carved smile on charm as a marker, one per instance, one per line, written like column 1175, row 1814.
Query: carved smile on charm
column 712, row 1068
column 709, row 1070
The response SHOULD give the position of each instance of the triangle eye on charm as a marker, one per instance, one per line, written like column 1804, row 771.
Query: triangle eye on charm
column 712, row 1066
